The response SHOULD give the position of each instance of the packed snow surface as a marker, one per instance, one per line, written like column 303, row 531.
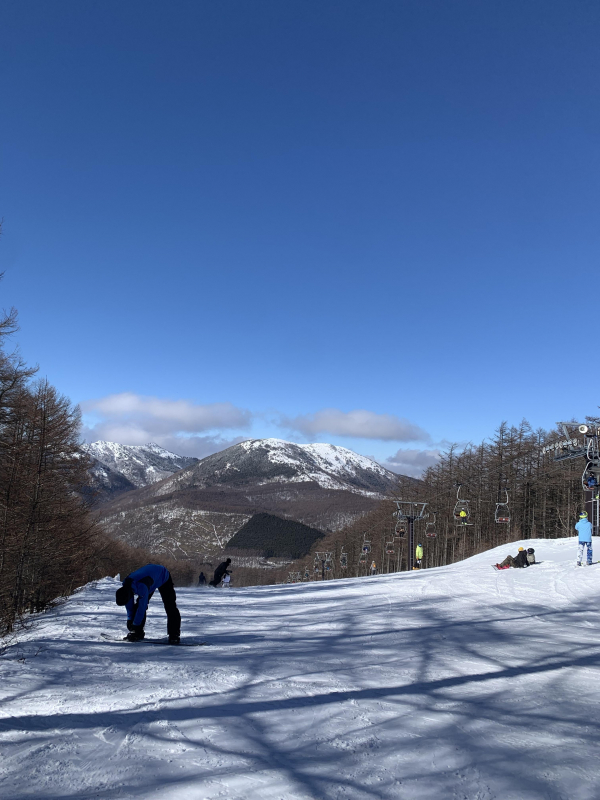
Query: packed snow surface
column 457, row 682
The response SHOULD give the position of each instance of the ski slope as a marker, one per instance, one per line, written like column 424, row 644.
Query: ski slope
column 454, row 683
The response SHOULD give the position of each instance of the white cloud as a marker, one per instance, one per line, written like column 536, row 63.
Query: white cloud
column 129, row 418
column 359, row 423
column 181, row 415
column 412, row 462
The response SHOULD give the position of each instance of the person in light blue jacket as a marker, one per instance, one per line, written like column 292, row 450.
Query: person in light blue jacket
column 584, row 529
column 143, row 583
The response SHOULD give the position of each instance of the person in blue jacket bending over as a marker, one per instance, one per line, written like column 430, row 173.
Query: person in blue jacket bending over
column 143, row 583
column 584, row 529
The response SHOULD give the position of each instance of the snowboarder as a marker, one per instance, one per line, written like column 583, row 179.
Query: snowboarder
column 219, row 572
column 143, row 583
column 202, row 579
column 519, row 561
column 584, row 529
column 418, row 556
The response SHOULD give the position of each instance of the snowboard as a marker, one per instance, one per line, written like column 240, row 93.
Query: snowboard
column 497, row 568
column 183, row 643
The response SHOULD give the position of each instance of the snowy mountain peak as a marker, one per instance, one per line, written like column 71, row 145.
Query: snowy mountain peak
column 141, row 465
column 262, row 461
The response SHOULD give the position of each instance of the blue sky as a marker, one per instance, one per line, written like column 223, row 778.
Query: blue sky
column 370, row 223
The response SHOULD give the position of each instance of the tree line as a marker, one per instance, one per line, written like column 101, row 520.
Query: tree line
column 544, row 499
column 49, row 542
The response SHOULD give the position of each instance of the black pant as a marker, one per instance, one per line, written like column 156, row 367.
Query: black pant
column 169, row 598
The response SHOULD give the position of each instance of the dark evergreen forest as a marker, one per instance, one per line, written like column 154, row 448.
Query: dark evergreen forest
column 271, row 536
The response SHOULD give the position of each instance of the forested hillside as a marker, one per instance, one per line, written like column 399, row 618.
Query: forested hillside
column 270, row 536
column 544, row 498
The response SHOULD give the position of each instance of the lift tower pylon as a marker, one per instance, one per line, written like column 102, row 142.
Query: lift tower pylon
column 410, row 511
column 582, row 440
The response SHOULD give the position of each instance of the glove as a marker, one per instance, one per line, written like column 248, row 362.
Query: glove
column 129, row 624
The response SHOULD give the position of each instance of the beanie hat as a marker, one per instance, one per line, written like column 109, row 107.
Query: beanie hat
column 123, row 594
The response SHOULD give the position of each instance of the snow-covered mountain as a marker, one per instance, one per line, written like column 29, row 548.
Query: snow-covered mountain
column 194, row 512
column 259, row 462
column 119, row 468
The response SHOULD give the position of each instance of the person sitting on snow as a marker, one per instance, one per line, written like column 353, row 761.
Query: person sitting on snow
column 143, row 583
column 584, row 529
column 520, row 560
column 219, row 572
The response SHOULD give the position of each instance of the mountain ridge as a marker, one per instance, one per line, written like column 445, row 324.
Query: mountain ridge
column 119, row 468
column 195, row 511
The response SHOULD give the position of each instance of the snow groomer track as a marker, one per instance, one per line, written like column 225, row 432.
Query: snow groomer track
column 459, row 682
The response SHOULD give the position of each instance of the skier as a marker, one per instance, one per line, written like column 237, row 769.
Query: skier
column 219, row 572
column 418, row 556
column 373, row 568
column 143, row 583
column 202, row 579
column 584, row 529
column 520, row 560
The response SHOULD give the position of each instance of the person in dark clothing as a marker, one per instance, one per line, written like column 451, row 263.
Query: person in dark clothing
column 519, row 561
column 142, row 584
column 220, row 571
column 202, row 579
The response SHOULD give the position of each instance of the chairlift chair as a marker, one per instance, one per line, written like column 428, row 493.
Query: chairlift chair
column 502, row 513
column 430, row 530
column 400, row 529
column 461, row 512
column 366, row 548
column 389, row 548
column 362, row 559
column 591, row 473
column 343, row 560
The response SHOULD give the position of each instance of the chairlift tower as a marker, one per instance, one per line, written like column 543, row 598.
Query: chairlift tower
column 410, row 511
column 325, row 558
column 582, row 440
